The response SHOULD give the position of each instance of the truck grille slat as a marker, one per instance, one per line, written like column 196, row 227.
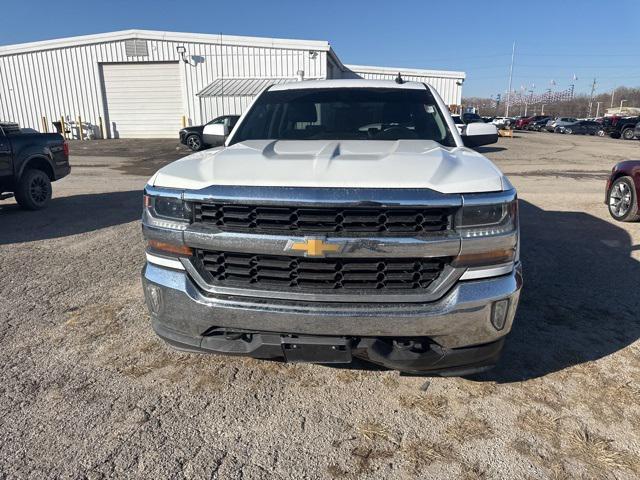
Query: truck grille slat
column 327, row 220
column 284, row 272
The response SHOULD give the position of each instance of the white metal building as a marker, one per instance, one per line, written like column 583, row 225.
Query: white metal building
column 139, row 83
column 447, row 83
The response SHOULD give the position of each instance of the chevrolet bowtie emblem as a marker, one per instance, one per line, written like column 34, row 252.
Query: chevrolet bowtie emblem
column 314, row 247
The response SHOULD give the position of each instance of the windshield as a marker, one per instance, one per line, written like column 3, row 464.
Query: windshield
column 345, row 114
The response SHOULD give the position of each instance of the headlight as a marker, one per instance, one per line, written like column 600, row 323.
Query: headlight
column 489, row 233
column 168, row 211
column 487, row 220
column 173, row 208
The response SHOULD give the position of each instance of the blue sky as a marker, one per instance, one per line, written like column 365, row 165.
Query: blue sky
column 554, row 39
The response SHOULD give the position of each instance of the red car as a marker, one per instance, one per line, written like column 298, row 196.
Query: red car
column 524, row 122
column 623, row 191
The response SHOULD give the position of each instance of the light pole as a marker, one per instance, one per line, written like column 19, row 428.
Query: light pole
column 530, row 99
column 598, row 109
column 513, row 54
column 613, row 94
column 621, row 102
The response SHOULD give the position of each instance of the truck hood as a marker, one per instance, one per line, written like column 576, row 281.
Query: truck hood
column 331, row 163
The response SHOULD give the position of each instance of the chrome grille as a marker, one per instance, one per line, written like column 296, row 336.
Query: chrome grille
column 328, row 220
column 290, row 273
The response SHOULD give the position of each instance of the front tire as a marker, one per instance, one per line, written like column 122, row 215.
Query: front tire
column 568, row 131
column 623, row 200
column 628, row 134
column 34, row 190
column 194, row 142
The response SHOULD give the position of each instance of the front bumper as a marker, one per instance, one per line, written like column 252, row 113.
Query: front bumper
column 457, row 327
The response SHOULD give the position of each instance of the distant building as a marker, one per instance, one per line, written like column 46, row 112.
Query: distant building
column 623, row 112
column 139, row 83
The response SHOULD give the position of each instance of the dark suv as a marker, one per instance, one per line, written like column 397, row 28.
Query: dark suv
column 621, row 127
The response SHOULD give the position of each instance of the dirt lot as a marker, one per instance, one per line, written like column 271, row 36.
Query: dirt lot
column 88, row 391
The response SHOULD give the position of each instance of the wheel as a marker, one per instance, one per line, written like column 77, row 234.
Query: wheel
column 568, row 131
column 194, row 142
column 556, row 130
column 34, row 190
column 601, row 133
column 628, row 134
column 623, row 200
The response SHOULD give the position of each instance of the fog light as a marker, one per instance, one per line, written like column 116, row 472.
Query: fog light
column 499, row 312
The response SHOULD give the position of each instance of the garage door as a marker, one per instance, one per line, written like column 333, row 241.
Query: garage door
column 143, row 100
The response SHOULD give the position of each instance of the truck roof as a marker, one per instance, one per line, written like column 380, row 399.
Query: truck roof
column 347, row 83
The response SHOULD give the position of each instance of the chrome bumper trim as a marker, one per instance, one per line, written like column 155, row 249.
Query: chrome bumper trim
column 435, row 245
column 487, row 272
column 164, row 261
column 324, row 196
column 461, row 318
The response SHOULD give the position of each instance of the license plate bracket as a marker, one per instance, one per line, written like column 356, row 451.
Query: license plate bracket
column 316, row 349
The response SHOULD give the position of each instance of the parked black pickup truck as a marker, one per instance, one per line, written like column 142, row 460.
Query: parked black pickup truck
column 29, row 162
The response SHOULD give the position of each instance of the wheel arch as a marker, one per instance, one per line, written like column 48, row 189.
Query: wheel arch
column 38, row 162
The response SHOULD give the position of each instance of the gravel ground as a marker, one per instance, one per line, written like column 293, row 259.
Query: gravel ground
column 88, row 391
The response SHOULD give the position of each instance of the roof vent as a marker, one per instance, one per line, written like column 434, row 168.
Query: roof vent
column 136, row 48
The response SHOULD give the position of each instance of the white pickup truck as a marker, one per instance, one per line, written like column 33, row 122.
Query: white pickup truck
column 341, row 219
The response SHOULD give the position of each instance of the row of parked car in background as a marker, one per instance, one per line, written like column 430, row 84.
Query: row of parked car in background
column 627, row 128
column 214, row 132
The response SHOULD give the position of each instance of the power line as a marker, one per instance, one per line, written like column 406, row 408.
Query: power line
column 580, row 55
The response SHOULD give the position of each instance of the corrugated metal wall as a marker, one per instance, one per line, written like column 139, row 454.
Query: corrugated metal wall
column 448, row 89
column 66, row 81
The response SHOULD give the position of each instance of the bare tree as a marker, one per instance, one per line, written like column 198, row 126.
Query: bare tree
column 577, row 107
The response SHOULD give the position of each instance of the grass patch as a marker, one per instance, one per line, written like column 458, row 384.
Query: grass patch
column 420, row 454
column 469, row 428
column 374, row 431
column 433, row 405
column 599, row 452
column 541, row 423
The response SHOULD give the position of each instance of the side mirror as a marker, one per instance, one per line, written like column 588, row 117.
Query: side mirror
column 477, row 134
column 215, row 134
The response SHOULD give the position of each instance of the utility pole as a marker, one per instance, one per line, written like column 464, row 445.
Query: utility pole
column 598, row 109
column 593, row 90
column 513, row 54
